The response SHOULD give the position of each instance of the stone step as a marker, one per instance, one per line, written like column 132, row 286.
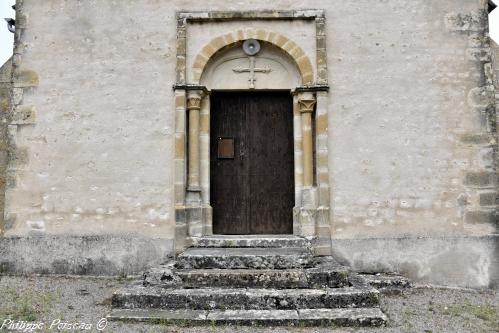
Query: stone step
column 264, row 241
column 135, row 297
column 241, row 258
column 320, row 277
column 317, row 317
column 387, row 282
column 262, row 278
column 326, row 272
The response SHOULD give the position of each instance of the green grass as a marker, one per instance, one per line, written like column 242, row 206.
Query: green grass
column 485, row 312
column 25, row 305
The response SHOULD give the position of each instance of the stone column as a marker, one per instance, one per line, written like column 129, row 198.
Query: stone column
column 306, row 102
column 193, row 184
column 307, row 211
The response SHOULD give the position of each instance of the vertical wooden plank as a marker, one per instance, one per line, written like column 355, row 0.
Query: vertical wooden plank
column 228, row 176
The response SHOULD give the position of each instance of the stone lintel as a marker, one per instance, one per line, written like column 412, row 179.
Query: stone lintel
column 201, row 16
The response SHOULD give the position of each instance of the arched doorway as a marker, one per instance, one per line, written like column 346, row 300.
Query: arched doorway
column 222, row 75
column 251, row 163
column 251, row 139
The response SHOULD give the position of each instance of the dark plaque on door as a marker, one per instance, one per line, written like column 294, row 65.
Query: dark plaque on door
column 225, row 148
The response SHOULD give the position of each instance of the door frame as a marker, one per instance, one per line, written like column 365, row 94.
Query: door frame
column 193, row 213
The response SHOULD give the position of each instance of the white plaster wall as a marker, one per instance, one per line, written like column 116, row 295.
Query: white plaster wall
column 398, row 105
column 101, row 151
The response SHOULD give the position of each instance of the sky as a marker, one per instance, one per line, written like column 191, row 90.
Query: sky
column 7, row 38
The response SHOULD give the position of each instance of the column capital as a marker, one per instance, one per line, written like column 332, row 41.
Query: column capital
column 306, row 102
column 194, row 99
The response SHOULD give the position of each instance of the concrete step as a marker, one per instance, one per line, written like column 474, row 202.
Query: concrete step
column 264, row 241
column 317, row 317
column 241, row 258
column 136, row 297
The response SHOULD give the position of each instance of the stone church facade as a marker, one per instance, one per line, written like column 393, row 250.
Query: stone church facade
column 113, row 157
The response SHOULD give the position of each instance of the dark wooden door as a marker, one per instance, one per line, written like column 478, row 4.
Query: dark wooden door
column 252, row 181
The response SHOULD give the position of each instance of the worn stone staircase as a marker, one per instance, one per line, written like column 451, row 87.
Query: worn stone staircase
column 266, row 280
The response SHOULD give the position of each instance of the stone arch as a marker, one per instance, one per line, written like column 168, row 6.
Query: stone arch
column 296, row 53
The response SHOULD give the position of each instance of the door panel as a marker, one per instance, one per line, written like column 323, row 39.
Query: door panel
column 229, row 177
column 252, row 193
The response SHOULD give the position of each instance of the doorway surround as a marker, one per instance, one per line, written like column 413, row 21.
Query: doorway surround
column 193, row 212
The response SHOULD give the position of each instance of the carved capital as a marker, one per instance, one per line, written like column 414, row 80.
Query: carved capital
column 194, row 100
column 194, row 103
column 306, row 102
column 306, row 105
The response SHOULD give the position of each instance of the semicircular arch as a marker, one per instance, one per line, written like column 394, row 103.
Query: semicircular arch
column 293, row 50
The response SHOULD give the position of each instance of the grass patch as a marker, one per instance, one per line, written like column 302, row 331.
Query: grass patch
column 25, row 305
column 486, row 312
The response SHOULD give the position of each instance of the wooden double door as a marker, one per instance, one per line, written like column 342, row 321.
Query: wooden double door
column 252, row 162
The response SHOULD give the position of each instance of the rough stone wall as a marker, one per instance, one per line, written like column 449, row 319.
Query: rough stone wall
column 5, row 95
column 412, row 136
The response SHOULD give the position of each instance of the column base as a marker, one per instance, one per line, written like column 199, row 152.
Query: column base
column 193, row 197
column 314, row 222
column 191, row 220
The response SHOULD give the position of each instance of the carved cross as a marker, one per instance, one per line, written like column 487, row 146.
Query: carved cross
column 252, row 70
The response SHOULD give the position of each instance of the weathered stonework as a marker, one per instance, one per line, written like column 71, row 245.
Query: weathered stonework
column 405, row 140
column 5, row 101
column 312, row 191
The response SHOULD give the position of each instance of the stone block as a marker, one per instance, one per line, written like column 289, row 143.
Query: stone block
column 480, row 217
column 480, row 179
column 162, row 276
column 19, row 157
column 180, row 215
column 478, row 54
column 24, row 78
column 472, row 21
column 247, row 299
column 230, row 38
column 250, row 241
column 262, row 34
column 179, row 189
column 488, row 198
column 478, row 139
column 364, row 317
column 480, row 97
column 239, row 258
column 278, row 39
column 217, row 43
column 179, row 146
